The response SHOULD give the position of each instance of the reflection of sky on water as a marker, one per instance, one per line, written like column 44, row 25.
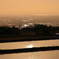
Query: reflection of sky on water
column 29, row 46
column 32, row 55
column 16, row 45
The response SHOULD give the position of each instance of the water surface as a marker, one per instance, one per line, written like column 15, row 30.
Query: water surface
column 31, row 55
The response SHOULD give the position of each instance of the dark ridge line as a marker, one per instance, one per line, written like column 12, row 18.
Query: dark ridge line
column 22, row 40
column 26, row 50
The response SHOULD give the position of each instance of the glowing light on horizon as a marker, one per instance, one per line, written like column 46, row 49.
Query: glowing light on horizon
column 26, row 25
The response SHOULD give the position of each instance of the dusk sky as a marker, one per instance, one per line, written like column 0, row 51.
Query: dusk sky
column 29, row 7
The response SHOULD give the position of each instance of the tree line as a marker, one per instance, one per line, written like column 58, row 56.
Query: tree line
column 38, row 29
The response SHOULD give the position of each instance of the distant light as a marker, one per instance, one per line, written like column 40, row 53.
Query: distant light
column 30, row 19
column 29, row 46
column 9, row 24
column 57, row 33
column 25, row 25
column 25, row 20
column 48, row 25
column 30, row 23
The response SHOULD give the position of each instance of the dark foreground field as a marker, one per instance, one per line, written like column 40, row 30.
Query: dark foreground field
column 15, row 39
column 26, row 50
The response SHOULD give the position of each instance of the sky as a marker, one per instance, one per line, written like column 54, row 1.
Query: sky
column 29, row 7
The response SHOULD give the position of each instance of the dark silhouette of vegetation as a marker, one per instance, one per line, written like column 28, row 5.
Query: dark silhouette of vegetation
column 6, row 31
column 41, row 30
column 34, row 30
column 25, row 50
